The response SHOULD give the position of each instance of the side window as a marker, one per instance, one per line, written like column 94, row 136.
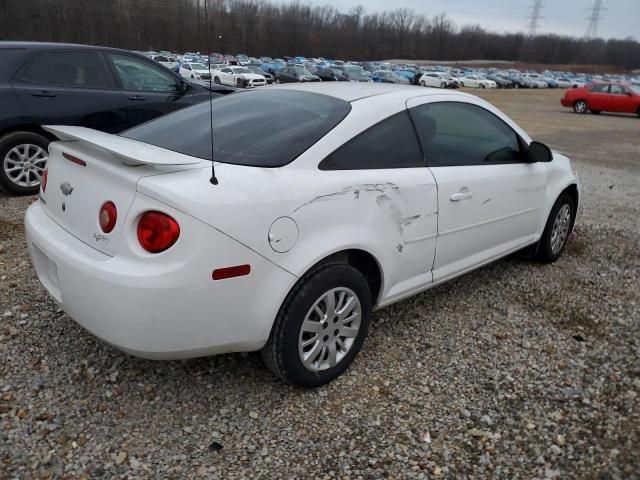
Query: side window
column 455, row 134
column 79, row 69
column 618, row 90
column 136, row 74
column 36, row 71
column 600, row 88
column 391, row 143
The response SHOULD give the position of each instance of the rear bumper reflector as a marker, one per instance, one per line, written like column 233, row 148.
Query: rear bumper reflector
column 75, row 160
column 231, row 272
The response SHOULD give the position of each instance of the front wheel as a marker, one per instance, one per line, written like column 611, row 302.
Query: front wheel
column 482, row 85
column 277, row 81
column 423, row 84
column 557, row 230
column 320, row 327
column 217, row 80
column 580, row 107
column 23, row 156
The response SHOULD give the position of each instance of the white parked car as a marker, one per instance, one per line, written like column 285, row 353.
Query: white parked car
column 169, row 62
column 476, row 81
column 329, row 201
column 434, row 79
column 537, row 80
column 240, row 77
column 196, row 71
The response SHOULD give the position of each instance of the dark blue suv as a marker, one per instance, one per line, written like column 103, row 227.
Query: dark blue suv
column 102, row 88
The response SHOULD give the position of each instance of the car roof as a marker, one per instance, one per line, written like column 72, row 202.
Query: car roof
column 352, row 92
column 53, row 45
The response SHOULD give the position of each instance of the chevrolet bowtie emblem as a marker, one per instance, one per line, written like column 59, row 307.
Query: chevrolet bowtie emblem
column 66, row 189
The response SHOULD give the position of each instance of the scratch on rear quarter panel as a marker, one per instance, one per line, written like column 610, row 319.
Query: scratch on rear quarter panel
column 354, row 189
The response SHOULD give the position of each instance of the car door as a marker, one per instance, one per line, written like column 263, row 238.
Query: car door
column 149, row 91
column 490, row 199
column 598, row 97
column 621, row 100
column 71, row 87
column 226, row 76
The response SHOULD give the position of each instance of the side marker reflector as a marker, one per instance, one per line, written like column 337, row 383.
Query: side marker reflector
column 231, row 272
column 75, row 160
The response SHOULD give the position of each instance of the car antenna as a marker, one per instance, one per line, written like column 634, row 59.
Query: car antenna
column 214, row 180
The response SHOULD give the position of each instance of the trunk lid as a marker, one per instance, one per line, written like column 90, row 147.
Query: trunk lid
column 88, row 168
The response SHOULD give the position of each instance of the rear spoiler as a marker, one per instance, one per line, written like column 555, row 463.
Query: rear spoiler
column 130, row 152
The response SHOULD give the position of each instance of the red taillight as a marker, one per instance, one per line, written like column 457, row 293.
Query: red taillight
column 157, row 231
column 108, row 216
column 43, row 180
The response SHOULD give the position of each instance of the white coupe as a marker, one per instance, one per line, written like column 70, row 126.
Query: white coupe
column 240, row 77
column 329, row 201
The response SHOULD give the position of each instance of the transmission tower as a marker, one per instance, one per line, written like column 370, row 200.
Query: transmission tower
column 594, row 19
column 535, row 17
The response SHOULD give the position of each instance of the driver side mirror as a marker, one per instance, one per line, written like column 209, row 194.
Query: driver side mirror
column 539, row 152
column 183, row 86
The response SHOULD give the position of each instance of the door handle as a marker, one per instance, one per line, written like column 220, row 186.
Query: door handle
column 456, row 197
column 44, row 93
column 137, row 98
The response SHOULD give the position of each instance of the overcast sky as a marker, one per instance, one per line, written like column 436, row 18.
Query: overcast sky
column 563, row 17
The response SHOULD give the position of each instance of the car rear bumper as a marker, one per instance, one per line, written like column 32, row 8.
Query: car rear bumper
column 565, row 102
column 155, row 309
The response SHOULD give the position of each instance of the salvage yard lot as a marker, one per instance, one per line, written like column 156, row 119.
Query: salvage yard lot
column 517, row 370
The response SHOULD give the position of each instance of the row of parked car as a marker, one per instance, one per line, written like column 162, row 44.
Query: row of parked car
column 244, row 71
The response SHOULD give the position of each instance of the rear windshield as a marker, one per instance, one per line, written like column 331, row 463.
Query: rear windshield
column 265, row 128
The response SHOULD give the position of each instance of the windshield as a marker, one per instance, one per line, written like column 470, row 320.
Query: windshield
column 240, row 70
column 302, row 71
column 265, row 128
column 198, row 66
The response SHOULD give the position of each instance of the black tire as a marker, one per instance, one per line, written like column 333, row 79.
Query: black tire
column 10, row 141
column 482, row 85
column 277, row 81
column 516, row 85
column 543, row 250
column 239, row 83
column 443, row 85
column 596, row 112
column 281, row 353
column 423, row 84
column 580, row 107
column 217, row 80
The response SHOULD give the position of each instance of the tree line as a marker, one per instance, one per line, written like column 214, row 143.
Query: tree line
column 263, row 27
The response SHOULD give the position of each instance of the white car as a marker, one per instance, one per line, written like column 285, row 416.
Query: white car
column 476, row 81
column 322, row 208
column 240, row 77
column 537, row 79
column 169, row 62
column 438, row 80
column 196, row 71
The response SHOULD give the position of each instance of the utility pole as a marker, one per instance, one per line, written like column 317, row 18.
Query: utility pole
column 535, row 17
column 594, row 19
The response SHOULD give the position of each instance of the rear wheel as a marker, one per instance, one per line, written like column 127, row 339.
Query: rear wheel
column 217, row 80
column 482, row 85
column 24, row 156
column 557, row 230
column 443, row 85
column 320, row 327
column 580, row 107
column 277, row 81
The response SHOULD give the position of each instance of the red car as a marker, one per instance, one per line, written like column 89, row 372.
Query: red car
column 598, row 97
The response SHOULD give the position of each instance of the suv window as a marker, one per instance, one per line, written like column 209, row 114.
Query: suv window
column 137, row 74
column 79, row 69
column 455, row 134
column 36, row 71
column 392, row 143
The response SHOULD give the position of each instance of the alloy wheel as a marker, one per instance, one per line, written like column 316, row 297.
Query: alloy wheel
column 24, row 164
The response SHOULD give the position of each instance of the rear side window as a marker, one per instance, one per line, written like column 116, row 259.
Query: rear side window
column 37, row 71
column 457, row 134
column 264, row 128
column 79, row 69
column 600, row 88
column 391, row 143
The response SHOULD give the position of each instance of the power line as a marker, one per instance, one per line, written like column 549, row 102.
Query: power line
column 594, row 19
column 535, row 17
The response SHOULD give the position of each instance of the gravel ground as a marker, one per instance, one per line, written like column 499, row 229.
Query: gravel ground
column 514, row 371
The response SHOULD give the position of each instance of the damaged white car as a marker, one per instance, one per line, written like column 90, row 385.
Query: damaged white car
column 332, row 200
